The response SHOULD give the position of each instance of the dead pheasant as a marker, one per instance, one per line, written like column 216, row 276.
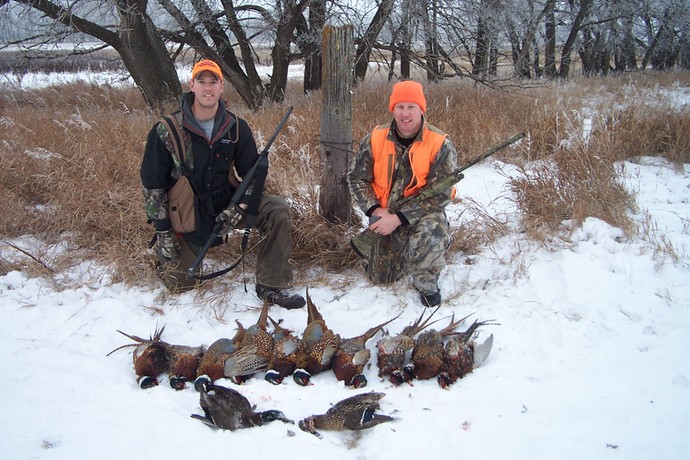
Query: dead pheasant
column 392, row 351
column 352, row 355
column 317, row 347
column 212, row 363
column 427, row 355
column 283, row 361
column 153, row 357
column 462, row 354
column 254, row 352
column 354, row 413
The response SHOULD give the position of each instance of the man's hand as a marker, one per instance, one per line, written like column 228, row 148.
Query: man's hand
column 386, row 222
column 230, row 218
column 167, row 247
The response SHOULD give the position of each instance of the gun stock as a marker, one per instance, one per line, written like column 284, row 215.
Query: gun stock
column 363, row 242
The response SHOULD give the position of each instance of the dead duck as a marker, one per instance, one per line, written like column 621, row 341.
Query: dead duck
column 427, row 355
column 317, row 347
column 354, row 413
column 228, row 409
column 154, row 357
column 283, row 361
column 462, row 354
column 392, row 351
column 352, row 355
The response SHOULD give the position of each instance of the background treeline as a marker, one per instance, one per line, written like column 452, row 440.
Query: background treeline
column 490, row 41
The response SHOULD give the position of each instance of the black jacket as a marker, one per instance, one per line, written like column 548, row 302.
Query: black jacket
column 208, row 167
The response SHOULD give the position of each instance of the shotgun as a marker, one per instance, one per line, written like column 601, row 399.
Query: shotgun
column 363, row 242
column 262, row 161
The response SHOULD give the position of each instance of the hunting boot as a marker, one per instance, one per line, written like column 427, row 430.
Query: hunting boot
column 279, row 296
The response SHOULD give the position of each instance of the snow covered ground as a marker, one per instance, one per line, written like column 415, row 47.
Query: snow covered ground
column 589, row 360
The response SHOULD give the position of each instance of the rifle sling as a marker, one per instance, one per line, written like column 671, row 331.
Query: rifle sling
column 220, row 272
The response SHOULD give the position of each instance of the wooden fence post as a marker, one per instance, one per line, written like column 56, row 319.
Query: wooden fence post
column 336, row 123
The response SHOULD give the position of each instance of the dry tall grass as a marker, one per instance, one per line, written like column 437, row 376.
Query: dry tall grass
column 69, row 164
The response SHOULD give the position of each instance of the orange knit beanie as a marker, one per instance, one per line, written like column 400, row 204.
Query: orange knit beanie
column 408, row 91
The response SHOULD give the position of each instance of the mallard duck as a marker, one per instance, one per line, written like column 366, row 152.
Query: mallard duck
column 317, row 347
column 392, row 350
column 354, row 413
column 462, row 355
column 228, row 409
column 352, row 355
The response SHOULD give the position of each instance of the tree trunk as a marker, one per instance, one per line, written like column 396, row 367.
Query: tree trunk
column 625, row 57
column 146, row 57
column 550, row 40
column 481, row 54
column 312, row 50
column 570, row 41
column 336, row 124
column 280, row 53
column 364, row 48
column 137, row 42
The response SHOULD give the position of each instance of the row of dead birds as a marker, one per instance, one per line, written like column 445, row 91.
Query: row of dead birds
column 417, row 352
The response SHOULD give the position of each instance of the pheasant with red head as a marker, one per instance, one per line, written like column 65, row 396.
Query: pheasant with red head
column 462, row 354
column 254, row 351
column 317, row 348
column 427, row 355
column 212, row 364
column 392, row 351
column 283, row 361
column 153, row 357
column 352, row 355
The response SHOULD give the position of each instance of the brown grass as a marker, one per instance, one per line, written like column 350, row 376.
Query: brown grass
column 70, row 156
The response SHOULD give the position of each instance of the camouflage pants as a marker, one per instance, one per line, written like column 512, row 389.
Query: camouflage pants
column 417, row 249
column 273, row 267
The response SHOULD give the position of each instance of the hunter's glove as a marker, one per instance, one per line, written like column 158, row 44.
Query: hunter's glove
column 230, row 218
column 167, row 247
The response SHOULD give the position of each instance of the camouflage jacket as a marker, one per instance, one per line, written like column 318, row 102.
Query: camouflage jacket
column 211, row 165
column 361, row 176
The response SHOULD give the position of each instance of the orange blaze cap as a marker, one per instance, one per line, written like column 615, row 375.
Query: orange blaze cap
column 207, row 64
column 408, row 91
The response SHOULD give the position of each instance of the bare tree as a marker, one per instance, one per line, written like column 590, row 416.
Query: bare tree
column 439, row 37
column 133, row 36
column 366, row 43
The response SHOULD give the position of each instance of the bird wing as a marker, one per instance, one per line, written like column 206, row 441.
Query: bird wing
column 481, row 352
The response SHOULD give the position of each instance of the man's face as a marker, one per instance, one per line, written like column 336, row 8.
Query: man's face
column 207, row 89
column 408, row 118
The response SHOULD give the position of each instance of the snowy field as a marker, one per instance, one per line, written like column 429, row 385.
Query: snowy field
column 589, row 359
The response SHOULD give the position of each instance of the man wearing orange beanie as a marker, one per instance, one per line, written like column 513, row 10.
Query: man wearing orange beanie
column 397, row 160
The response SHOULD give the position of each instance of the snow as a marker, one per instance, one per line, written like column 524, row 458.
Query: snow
column 589, row 358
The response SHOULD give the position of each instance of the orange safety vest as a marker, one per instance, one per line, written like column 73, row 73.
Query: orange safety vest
column 421, row 153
